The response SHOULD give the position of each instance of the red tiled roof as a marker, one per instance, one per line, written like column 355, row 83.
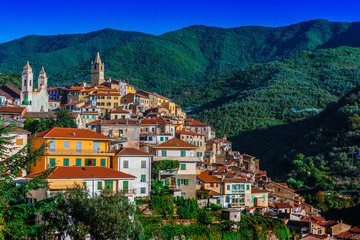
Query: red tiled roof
column 252, row 208
column 283, row 186
column 175, row 143
column 235, row 180
column 132, row 151
column 258, row 190
column 75, row 88
column 344, row 235
column 214, row 193
column 249, row 156
column 105, row 94
column 114, row 121
column 196, row 123
column 147, row 121
column 207, row 178
column 73, row 103
column 282, row 205
column 141, row 144
column 12, row 109
column 188, row 132
column 58, row 132
column 208, row 164
column 84, row 172
column 50, row 100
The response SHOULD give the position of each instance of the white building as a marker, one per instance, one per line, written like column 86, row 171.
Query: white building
column 138, row 163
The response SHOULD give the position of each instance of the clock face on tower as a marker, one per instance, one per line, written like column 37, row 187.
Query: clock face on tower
column 101, row 75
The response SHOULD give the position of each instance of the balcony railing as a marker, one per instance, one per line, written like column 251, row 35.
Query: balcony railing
column 78, row 152
column 127, row 191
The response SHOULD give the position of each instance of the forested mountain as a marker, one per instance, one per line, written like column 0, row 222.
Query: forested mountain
column 59, row 52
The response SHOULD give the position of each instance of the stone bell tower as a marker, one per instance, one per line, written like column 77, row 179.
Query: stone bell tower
column 97, row 71
column 42, row 79
column 27, row 79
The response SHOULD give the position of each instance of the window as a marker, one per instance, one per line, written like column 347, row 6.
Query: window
column 247, row 186
column 143, row 178
column 66, row 162
column 103, row 162
column 183, row 153
column 228, row 187
column 19, row 141
column 161, row 139
column 90, row 162
column 116, row 116
column 109, row 185
column 126, row 164
column 52, row 162
column 96, row 147
column 108, row 104
column 66, row 145
column 99, row 185
column 78, row 162
column 143, row 190
column 183, row 166
column 183, row 182
column 163, row 153
column 143, row 164
column 150, row 138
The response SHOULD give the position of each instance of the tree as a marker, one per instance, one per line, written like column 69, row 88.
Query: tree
column 17, row 215
column 105, row 216
column 63, row 119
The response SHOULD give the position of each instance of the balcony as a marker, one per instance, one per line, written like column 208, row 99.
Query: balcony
column 127, row 191
column 78, row 152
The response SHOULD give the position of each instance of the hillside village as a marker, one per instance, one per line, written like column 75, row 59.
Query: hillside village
column 124, row 133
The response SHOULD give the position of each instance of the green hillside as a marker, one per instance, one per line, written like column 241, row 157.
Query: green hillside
column 183, row 58
column 59, row 52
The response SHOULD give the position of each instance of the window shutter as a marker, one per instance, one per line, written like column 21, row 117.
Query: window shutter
column 52, row 162
column 94, row 162
column 86, row 162
column 167, row 182
column 103, row 162
column 78, row 162
column 186, row 181
column 99, row 185
column 179, row 182
column 228, row 187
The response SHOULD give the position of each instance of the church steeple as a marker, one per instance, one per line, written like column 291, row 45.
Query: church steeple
column 42, row 79
column 97, row 71
column 27, row 78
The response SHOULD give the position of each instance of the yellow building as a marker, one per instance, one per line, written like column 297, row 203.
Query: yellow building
column 106, row 100
column 130, row 89
column 71, row 147
column 170, row 106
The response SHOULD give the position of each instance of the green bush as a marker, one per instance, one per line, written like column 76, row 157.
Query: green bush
column 186, row 208
column 163, row 205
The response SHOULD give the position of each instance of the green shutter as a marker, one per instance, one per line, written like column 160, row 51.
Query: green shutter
column 84, row 184
column 99, row 185
column 86, row 162
column 66, row 162
column 183, row 153
column 109, row 185
column 179, row 182
column 167, row 182
column 143, row 178
column 125, row 185
column 186, row 181
column 78, row 162
column 150, row 138
column 252, row 198
column 264, row 197
column 218, row 201
column 163, row 153
column 228, row 187
column 183, row 166
column 52, row 162
column 161, row 138
column 94, row 162
column 103, row 162
column 247, row 187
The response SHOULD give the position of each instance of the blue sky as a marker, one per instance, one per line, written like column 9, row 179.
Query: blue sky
column 20, row 18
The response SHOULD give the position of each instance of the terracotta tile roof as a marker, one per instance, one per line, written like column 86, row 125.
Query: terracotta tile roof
column 214, row 193
column 262, row 172
column 73, row 103
column 132, row 151
column 258, row 190
column 12, row 109
column 235, row 180
column 104, row 94
column 88, row 90
column 83, row 172
column 158, row 121
column 85, row 106
column 248, row 156
column 282, row 205
column 10, row 92
column 20, row 130
column 175, row 143
column 283, row 186
column 50, row 100
column 89, row 112
column 244, row 176
column 114, row 121
column 201, row 162
column 355, row 229
column 118, row 111
column 207, row 178
column 39, row 115
column 252, row 208
column 344, row 235
column 75, row 89
column 188, row 132
column 196, row 123
column 141, row 144
column 311, row 236
column 58, row 132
